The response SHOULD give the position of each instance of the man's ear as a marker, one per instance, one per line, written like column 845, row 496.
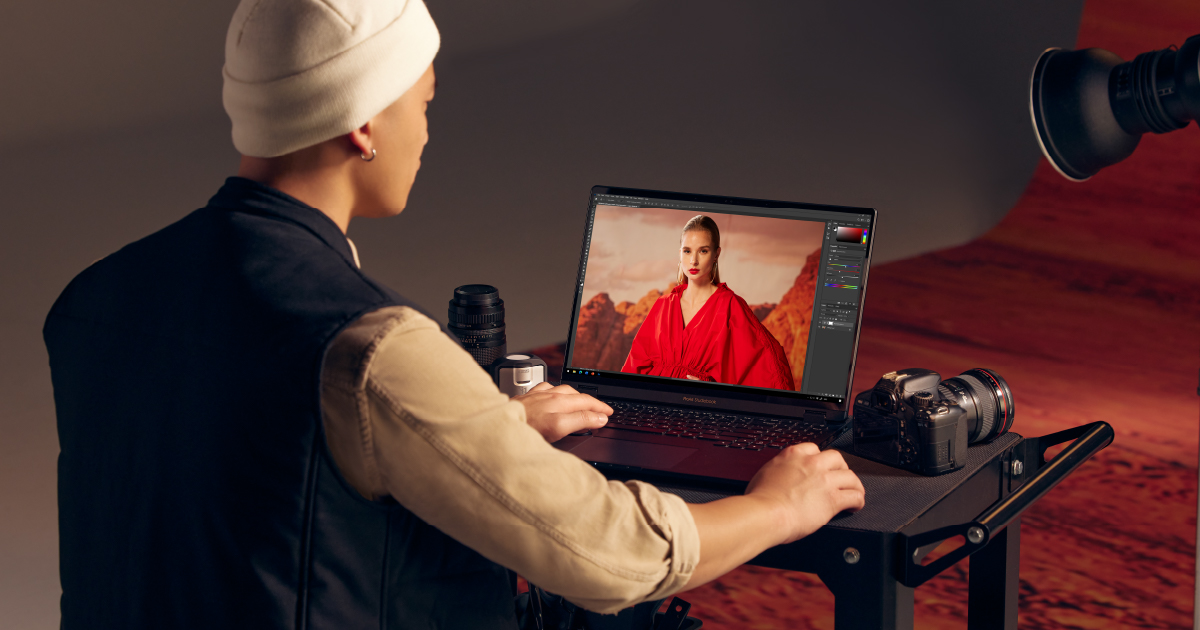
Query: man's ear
column 362, row 139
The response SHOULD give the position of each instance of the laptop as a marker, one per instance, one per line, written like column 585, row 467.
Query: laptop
column 705, row 391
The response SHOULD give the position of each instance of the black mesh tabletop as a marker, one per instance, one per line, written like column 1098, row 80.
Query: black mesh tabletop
column 895, row 497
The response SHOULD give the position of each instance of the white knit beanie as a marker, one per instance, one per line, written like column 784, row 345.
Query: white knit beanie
column 299, row 72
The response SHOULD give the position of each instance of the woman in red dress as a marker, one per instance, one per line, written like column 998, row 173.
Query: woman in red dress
column 702, row 330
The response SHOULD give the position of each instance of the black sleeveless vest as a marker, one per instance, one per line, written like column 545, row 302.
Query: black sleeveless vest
column 195, row 489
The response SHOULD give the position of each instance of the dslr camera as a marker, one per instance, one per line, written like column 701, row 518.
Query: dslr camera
column 912, row 419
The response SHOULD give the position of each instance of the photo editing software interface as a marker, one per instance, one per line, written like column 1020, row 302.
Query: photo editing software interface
column 787, row 284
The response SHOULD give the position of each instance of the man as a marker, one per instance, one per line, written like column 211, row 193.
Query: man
column 255, row 434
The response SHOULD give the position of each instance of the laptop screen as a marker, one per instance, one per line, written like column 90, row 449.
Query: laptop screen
column 747, row 298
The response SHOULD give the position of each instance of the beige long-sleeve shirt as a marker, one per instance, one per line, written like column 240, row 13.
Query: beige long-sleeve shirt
column 410, row 414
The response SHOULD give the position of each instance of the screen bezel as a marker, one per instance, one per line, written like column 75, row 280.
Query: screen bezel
column 719, row 396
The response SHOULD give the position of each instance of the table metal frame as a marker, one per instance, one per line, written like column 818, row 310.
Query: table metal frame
column 873, row 574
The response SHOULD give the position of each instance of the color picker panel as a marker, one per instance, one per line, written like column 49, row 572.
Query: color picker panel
column 851, row 235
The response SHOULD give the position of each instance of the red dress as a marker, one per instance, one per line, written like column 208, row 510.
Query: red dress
column 724, row 342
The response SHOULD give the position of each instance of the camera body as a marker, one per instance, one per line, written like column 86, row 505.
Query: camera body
column 913, row 420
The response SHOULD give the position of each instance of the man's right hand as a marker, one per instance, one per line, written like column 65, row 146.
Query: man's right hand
column 792, row 496
column 806, row 487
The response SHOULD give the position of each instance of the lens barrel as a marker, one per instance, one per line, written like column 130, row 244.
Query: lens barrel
column 477, row 319
column 987, row 400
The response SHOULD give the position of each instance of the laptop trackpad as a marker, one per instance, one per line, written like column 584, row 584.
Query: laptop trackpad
column 628, row 453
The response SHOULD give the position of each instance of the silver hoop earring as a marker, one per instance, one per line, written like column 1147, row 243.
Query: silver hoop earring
column 365, row 158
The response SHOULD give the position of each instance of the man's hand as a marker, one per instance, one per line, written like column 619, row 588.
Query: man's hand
column 807, row 487
column 556, row 412
column 792, row 496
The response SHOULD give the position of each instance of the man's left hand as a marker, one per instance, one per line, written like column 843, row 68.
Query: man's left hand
column 557, row 412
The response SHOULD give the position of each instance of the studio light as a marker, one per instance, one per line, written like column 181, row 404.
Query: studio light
column 1090, row 108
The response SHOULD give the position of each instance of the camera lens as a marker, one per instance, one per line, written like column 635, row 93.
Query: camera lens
column 477, row 319
column 986, row 398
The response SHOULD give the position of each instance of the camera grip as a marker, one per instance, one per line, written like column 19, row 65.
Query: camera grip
column 1089, row 439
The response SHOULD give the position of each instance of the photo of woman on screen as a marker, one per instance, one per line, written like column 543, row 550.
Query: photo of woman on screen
column 702, row 330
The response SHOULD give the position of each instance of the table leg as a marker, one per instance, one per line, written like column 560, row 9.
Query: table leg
column 994, row 581
column 870, row 599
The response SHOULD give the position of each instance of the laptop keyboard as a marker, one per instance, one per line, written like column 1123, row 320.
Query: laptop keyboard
column 752, row 433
